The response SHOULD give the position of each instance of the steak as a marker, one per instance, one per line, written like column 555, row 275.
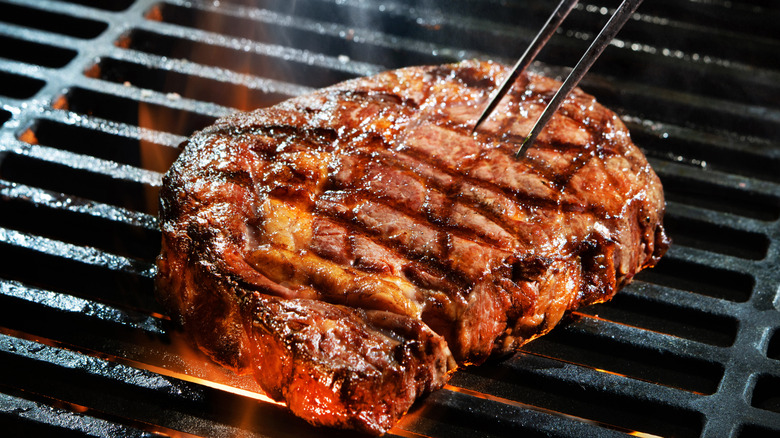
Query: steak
column 353, row 246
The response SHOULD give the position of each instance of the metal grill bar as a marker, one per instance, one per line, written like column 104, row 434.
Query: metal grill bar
column 692, row 348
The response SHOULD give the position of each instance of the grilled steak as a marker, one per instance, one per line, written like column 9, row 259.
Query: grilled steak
column 351, row 247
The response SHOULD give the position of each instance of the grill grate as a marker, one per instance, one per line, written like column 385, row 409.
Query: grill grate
column 95, row 96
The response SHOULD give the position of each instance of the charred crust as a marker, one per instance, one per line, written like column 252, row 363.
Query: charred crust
column 527, row 268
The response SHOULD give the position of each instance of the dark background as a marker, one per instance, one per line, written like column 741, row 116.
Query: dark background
column 96, row 95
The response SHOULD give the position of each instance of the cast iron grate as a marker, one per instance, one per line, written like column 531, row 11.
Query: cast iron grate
column 95, row 97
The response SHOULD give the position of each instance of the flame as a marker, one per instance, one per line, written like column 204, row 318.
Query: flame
column 203, row 371
column 243, row 61
column 411, row 421
column 200, row 371
column 222, row 92
column 151, row 155
column 28, row 136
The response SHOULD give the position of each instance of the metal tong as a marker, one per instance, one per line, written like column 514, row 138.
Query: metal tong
column 602, row 40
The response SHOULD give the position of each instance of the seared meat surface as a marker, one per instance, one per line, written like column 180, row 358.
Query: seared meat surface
column 351, row 247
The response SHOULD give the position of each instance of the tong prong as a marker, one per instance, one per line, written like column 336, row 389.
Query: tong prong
column 615, row 23
column 541, row 38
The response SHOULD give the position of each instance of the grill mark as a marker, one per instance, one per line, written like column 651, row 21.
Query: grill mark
column 455, row 190
column 561, row 179
column 272, row 130
column 599, row 146
column 532, row 201
column 433, row 266
column 371, row 151
column 467, row 76
column 515, row 196
column 536, row 170
column 240, row 177
column 429, row 265
column 557, row 180
column 313, row 138
column 348, row 286
column 613, row 182
column 424, row 214
column 437, row 264
column 435, row 223
column 486, row 212
column 445, row 231
column 384, row 98
column 463, row 175
column 577, row 166
column 455, row 286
